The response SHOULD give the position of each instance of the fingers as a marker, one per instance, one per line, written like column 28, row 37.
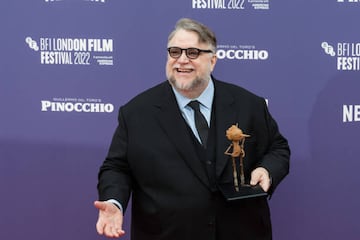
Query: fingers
column 100, row 227
column 260, row 176
column 100, row 205
column 109, row 229
column 113, row 232
column 106, row 207
column 110, row 220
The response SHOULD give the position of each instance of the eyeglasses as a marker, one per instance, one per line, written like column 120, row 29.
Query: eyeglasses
column 192, row 53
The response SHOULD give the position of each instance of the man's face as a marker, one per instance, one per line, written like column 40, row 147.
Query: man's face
column 185, row 74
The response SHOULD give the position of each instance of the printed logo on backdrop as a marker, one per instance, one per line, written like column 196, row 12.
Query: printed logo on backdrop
column 347, row 55
column 72, row 51
column 348, row 1
column 241, row 52
column 77, row 105
column 231, row 4
column 351, row 113
column 96, row 1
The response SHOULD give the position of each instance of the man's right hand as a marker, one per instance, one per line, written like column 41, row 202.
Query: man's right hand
column 110, row 220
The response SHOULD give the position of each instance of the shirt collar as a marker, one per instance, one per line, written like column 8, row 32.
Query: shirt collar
column 206, row 97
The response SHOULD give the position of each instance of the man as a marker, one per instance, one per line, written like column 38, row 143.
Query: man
column 172, row 171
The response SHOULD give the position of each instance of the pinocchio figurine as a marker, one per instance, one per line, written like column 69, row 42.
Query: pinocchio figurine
column 237, row 138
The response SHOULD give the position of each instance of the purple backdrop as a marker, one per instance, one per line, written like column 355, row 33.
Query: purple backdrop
column 67, row 65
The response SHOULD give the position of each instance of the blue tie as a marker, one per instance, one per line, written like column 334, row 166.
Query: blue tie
column 200, row 122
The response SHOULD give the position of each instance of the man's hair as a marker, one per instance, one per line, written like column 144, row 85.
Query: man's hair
column 206, row 35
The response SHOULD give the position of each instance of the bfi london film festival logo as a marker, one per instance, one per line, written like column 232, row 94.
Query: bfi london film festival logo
column 230, row 4
column 72, row 51
column 241, row 52
column 77, row 105
column 347, row 55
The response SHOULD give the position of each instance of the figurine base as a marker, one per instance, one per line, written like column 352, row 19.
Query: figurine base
column 245, row 191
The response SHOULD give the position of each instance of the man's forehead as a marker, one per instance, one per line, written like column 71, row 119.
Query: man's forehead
column 185, row 37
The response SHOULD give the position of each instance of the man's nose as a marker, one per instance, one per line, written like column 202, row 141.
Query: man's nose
column 183, row 57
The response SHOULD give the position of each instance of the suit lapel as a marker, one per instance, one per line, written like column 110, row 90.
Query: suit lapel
column 225, row 116
column 175, row 127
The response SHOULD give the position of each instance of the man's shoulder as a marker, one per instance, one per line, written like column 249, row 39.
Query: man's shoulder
column 234, row 90
column 151, row 95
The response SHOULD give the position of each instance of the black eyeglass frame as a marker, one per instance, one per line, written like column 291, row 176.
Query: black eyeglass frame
column 186, row 52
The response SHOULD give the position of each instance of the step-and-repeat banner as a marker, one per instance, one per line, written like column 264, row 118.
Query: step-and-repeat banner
column 66, row 66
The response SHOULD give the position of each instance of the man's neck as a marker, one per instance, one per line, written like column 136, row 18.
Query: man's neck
column 195, row 92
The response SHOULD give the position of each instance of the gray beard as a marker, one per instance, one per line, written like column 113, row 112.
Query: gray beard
column 195, row 84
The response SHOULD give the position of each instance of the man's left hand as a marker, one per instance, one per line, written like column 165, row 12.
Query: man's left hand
column 261, row 176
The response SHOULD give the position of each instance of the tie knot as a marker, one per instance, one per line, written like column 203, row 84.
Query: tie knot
column 194, row 105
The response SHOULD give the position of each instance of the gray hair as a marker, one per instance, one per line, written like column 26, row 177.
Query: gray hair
column 206, row 35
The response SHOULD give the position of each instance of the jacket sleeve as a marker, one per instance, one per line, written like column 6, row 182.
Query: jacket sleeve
column 114, row 178
column 276, row 156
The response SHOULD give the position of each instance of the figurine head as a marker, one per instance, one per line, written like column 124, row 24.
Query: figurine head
column 235, row 134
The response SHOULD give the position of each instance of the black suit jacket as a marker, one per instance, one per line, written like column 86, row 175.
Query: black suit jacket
column 153, row 157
